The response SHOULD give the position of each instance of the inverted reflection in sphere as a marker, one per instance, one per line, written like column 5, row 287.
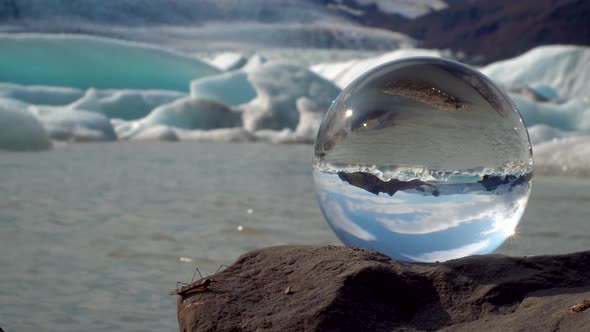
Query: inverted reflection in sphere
column 423, row 159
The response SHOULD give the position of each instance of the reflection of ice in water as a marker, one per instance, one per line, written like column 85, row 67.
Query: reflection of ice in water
column 415, row 226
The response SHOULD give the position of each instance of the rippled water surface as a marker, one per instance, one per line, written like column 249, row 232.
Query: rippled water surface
column 93, row 236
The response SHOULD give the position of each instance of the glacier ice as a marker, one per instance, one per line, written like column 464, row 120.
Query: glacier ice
column 540, row 133
column 310, row 119
column 228, row 135
column 194, row 113
column 75, row 125
column 184, row 113
column 254, row 62
column 84, row 62
column 124, row 104
column 571, row 115
column 564, row 68
column 542, row 92
column 40, row 95
column 232, row 88
column 278, row 86
column 13, row 103
column 229, row 61
column 260, row 100
column 156, row 133
column 21, row 130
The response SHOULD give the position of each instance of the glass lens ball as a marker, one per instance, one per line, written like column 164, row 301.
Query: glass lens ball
column 423, row 159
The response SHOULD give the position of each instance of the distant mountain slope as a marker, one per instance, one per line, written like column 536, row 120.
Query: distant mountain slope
column 501, row 29
column 485, row 30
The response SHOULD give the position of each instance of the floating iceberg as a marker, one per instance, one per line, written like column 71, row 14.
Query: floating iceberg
column 542, row 92
column 564, row 68
column 248, row 99
column 75, row 125
column 21, row 130
column 124, row 104
column 194, row 113
column 228, row 135
column 185, row 113
column 84, row 62
column 278, row 87
column 229, row 61
column 157, row 133
column 573, row 115
column 40, row 95
column 232, row 88
column 540, row 133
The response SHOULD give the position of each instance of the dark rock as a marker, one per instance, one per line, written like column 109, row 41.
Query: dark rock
column 305, row 288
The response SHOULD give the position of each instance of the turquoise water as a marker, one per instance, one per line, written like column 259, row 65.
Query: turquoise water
column 93, row 236
column 84, row 62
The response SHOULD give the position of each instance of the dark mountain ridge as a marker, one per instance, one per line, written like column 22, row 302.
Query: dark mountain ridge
column 489, row 30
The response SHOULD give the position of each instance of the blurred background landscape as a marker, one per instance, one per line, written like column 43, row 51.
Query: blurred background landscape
column 139, row 139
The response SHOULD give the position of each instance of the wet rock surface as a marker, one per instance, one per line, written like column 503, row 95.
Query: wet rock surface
column 309, row 288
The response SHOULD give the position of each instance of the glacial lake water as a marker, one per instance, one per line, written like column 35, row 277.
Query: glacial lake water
column 93, row 236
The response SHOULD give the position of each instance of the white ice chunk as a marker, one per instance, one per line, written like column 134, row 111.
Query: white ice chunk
column 276, row 136
column 310, row 119
column 229, row 135
column 278, row 86
column 542, row 92
column 185, row 113
column 157, row 133
column 13, row 103
column 573, row 115
column 40, row 95
column 21, row 130
column 229, row 61
column 254, row 62
column 565, row 68
column 193, row 113
column 124, row 104
column 75, row 125
column 542, row 133
column 231, row 88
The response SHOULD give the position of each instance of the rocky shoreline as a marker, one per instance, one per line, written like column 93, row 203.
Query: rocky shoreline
column 334, row 288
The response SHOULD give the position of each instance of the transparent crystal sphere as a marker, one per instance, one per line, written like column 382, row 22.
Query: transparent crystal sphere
column 423, row 159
